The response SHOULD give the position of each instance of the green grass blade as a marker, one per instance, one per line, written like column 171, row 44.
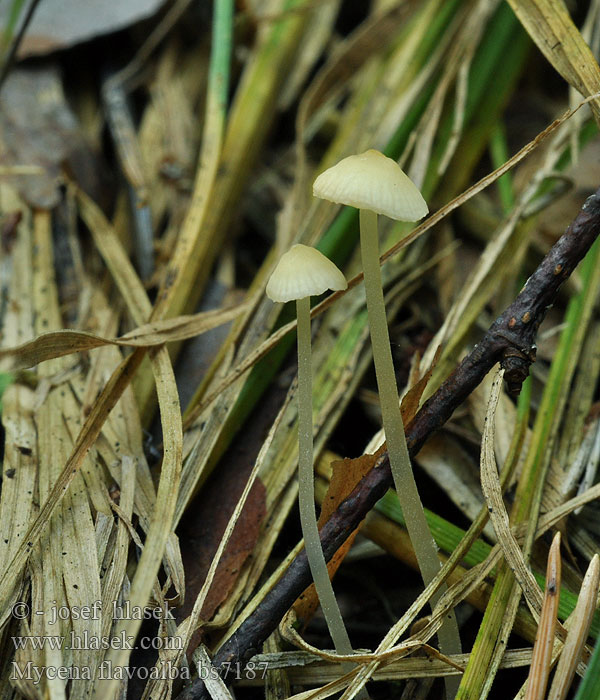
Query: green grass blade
column 589, row 688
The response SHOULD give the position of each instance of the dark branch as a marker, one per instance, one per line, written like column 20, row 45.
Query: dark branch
column 510, row 341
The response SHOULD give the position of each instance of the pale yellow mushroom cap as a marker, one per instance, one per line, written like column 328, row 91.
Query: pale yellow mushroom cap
column 303, row 272
column 372, row 181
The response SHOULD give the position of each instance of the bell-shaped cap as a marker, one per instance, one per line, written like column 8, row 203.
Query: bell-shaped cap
column 303, row 272
column 372, row 181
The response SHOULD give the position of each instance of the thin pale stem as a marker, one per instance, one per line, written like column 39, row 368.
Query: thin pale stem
column 306, row 494
column 402, row 474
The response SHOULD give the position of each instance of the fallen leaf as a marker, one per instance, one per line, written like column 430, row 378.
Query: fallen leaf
column 412, row 399
column 59, row 24
column 346, row 473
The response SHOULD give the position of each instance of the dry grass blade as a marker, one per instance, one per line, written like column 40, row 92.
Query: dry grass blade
column 20, row 453
column 480, row 185
column 212, row 141
column 542, row 650
column 490, row 485
column 455, row 594
column 277, row 683
column 550, row 26
column 163, row 515
column 195, row 617
column 346, row 59
column 289, row 632
column 328, row 84
column 455, row 70
column 123, row 131
column 86, row 438
column 69, row 538
column 64, row 342
column 162, row 520
column 117, row 261
column 554, row 516
column 303, row 669
column 317, row 33
column 579, row 626
column 387, row 650
column 214, row 683
column 126, row 75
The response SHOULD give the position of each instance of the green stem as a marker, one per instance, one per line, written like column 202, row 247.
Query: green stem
column 306, row 494
column 404, row 481
column 406, row 488
column 589, row 688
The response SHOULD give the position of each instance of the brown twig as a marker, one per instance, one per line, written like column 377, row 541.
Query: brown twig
column 510, row 341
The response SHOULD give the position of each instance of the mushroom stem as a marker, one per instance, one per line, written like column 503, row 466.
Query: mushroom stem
column 306, row 494
column 402, row 474
column 404, row 481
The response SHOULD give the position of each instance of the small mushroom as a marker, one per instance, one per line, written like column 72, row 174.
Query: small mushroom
column 303, row 272
column 373, row 182
column 376, row 184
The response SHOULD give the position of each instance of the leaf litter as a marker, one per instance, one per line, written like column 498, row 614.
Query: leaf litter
column 87, row 513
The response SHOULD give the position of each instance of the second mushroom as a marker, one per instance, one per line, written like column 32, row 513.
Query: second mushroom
column 303, row 272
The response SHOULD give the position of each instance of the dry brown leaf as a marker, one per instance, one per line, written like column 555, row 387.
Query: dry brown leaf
column 542, row 650
column 346, row 473
column 412, row 398
column 203, row 530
